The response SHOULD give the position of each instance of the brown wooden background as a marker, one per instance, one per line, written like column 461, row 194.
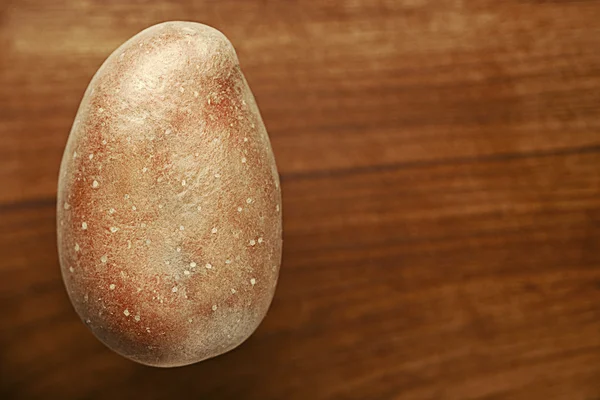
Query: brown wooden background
column 440, row 163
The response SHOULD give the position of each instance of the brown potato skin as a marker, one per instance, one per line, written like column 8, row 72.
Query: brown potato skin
column 169, row 207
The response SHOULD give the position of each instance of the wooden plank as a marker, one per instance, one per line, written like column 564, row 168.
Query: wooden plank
column 461, row 281
column 417, row 81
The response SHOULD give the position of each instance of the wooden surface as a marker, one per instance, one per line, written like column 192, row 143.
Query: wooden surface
column 440, row 164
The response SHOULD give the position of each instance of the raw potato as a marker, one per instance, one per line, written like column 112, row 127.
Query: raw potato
column 169, row 218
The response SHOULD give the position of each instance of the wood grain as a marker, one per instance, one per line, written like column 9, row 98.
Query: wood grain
column 440, row 165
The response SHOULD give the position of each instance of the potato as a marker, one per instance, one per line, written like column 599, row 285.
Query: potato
column 169, row 207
